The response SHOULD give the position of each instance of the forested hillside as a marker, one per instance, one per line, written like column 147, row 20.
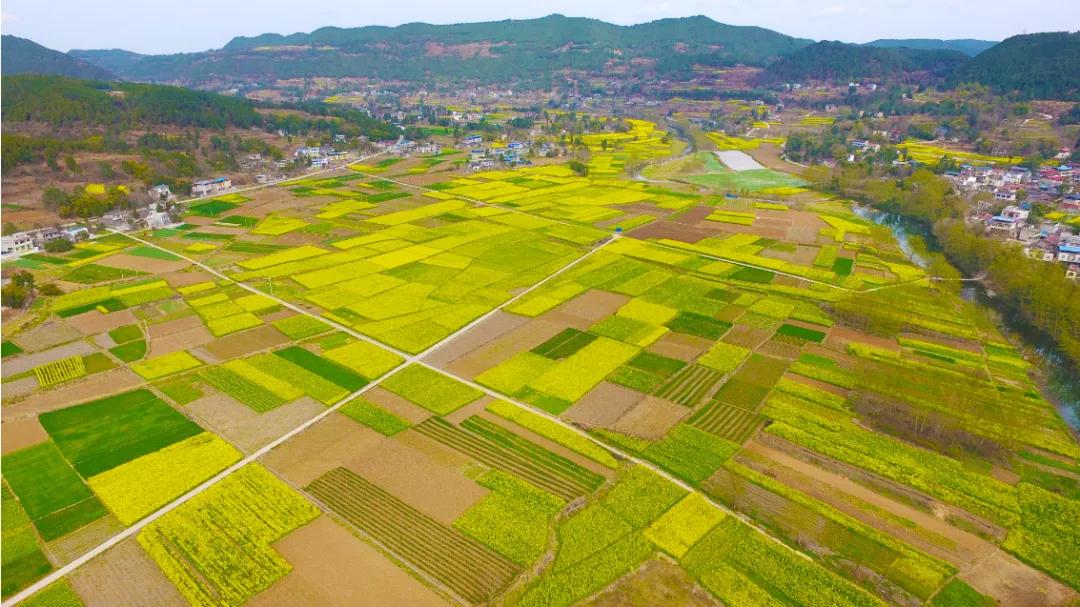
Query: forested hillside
column 22, row 56
column 530, row 50
column 840, row 61
column 964, row 45
column 1034, row 66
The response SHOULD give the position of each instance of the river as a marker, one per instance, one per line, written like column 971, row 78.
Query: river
column 1062, row 385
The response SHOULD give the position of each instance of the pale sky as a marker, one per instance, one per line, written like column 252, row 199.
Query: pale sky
column 152, row 26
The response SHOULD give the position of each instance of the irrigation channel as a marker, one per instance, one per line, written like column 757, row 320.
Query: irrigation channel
column 1061, row 384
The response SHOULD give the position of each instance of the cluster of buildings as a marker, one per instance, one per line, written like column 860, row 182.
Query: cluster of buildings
column 489, row 156
column 1009, row 184
column 1046, row 240
column 319, row 157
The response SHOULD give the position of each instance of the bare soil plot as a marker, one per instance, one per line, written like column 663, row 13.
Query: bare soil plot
column 651, row 418
column 26, row 362
column 333, row 442
column 780, row 350
column 174, row 326
column 492, row 328
column 143, row 264
column 747, row 337
column 769, row 156
column 525, row 337
column 334, row 568
column 675, row 231
column 125, row 575
column 46, row 335
column 246, row 342
column 680, row 346
column 657, row 582
column 469, row 410
column 244, row 427
column 1012, row 582
column 730, row 313
column 185, row 278
column 19, row 433
column 586, row 310
column 20, row 387
column 839, row 337
column 181, row 340
column 89, row 323
column 399, row 406
column 603, row 405
column 80, row 391
column 433, row 487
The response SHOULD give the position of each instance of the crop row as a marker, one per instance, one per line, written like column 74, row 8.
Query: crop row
column 60, row 371
column 247, row 392
column 689, row 386
column 463, row 564
column 216, row 548
column 502, row 450
column 725, row 420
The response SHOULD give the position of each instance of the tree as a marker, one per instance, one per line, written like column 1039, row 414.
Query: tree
column 14, row 296
column 59, row 245
column 50, row 289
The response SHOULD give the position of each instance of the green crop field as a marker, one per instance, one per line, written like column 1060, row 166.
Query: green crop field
column 103, row 434
column 405, row 381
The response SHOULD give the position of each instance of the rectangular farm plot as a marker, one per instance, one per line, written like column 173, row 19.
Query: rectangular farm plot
column 141, row 486
column 168, row 364
column 22, row 561
column 464, row 565
column 364, row 358
column 690, row 386
column 499, row 448
column 55, row 498
column 567, row 342
column 60, row 371
column 328, row 370
column 431, row 389
column 513, row 519
column 216, row 548
column 105, row 433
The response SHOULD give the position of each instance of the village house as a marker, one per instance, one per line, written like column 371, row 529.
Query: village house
column 208, row 187
column 160, row 192
column 16, row 244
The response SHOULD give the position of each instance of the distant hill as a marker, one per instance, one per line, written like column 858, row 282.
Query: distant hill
column 113, row 60
column 22, row 56
column 967, row 46
column 1032, row 66
column 530, row 50
column 838, row 61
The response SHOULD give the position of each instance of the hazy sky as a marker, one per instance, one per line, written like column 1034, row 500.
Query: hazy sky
column 150, row 26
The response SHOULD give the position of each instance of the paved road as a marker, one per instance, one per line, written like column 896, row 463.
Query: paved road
column 408, row 358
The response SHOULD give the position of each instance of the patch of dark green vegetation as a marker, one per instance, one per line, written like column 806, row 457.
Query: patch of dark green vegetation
column 23, row 562
column 93, row 273
column 207, row 236
column 564, row 344
column 253, row 247
column 211, row 208
column 126, row 333
column 9, row 348
column 242, row 221
column 130, row 351
column 842, row 266
column 801, row 333
column 322, row 367
column 152, row 253
column 698, row 325
column 105, row 433
column 110, row 305
column 55, row 498
column 753, row 275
